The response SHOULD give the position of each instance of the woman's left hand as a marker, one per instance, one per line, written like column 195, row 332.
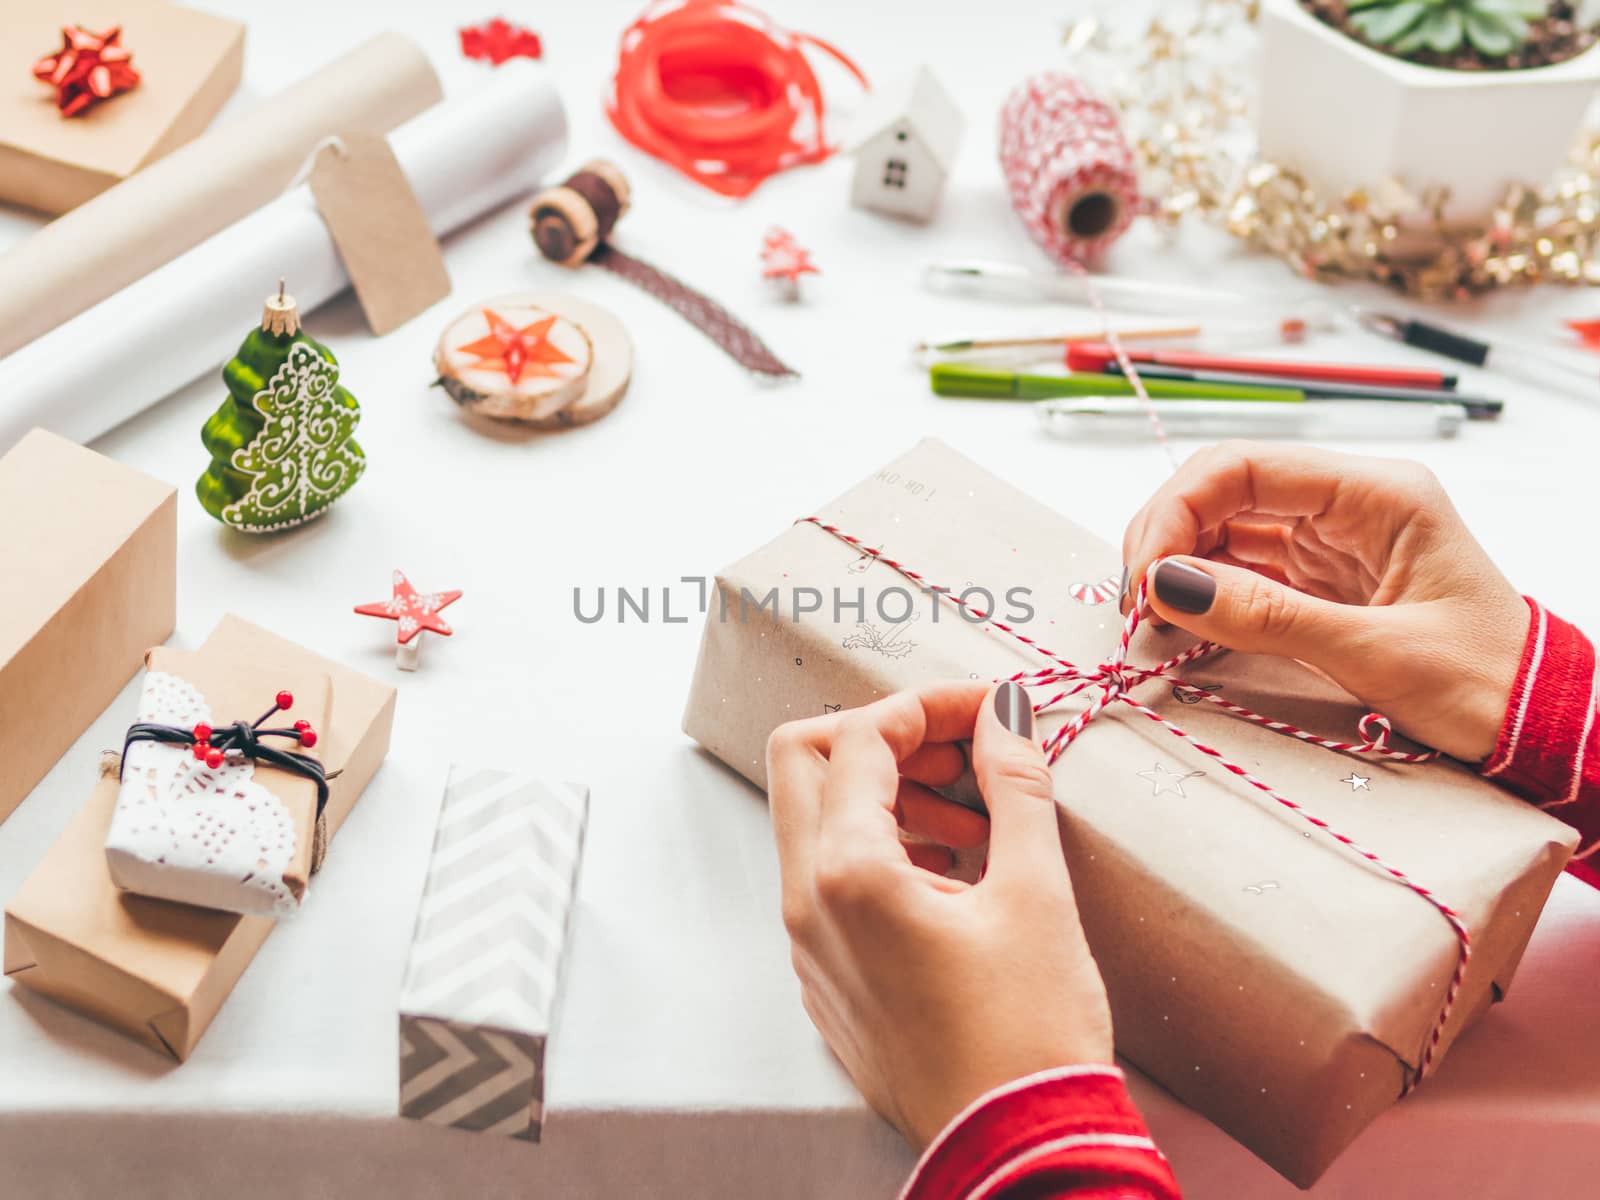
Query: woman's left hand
column 930, row 991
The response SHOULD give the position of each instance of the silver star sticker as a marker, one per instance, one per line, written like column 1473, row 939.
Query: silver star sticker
column 1164, row 780
column 1358, row 783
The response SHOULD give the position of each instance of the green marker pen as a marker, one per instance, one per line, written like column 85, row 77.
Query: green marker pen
column 979, row 383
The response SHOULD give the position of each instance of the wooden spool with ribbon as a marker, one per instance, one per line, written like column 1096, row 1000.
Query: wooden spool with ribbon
column 572, row 224
column 570, row 221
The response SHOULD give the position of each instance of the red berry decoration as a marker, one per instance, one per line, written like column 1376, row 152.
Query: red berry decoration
column 202, row 732
column 285, row 700
column 308, row 738
column 302, row 725
column 214, row 758
column 200, row 749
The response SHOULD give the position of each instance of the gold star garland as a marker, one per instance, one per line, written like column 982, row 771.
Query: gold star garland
column 1182, row 85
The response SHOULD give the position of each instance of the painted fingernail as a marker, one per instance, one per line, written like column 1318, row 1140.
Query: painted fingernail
column 1185, row 588
column 1122, row 592
column 1012, row 706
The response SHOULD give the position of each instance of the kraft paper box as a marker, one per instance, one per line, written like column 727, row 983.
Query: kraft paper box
column 1264, row 974
column 189, row 63
column 89, row 584
column 156, row 970
column 240, row 837
column 484, row 973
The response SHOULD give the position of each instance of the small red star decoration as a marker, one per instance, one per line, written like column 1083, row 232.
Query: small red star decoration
column 1588, row 331
column 518, row 352
column 498, row 40
column 783, row 258
column 410, row 610
column 88, row 68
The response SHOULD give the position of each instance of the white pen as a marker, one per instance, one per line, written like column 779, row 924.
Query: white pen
column 1294, row 316
column 1117, row 417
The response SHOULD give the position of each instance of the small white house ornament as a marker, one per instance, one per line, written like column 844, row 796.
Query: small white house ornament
column 902, row 164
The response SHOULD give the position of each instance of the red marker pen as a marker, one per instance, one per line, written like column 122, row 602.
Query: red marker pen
column 1095, row 356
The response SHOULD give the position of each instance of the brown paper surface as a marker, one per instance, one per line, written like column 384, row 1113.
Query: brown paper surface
column 189, row 64
column 381, row 231
column 201, row 188
column 1272, row 980
column 89, row 583
column 156, row 970
column 237, row 690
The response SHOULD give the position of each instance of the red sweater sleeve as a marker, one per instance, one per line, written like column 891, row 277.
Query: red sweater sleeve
column 1071, row 1132
column 1548, row 751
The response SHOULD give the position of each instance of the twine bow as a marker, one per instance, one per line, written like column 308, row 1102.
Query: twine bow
column 240, row 740
column 1112, row 682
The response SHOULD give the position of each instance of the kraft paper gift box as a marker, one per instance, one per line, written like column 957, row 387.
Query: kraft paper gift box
column 189, row 63
column 156, row 970
column 241, row 837
column 484, row 973
column 1267, row 976
column 89, row 584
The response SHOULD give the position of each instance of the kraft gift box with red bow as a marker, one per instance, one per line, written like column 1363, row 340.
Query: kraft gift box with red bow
column 1283, row 921
column 100, row 88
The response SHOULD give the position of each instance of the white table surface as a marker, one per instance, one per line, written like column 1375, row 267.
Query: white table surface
column 684, row 1064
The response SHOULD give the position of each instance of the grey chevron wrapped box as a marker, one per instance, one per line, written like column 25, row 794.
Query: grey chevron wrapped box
column 484, row 973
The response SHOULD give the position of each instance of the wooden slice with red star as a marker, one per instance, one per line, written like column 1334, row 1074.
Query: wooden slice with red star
column 514, row 361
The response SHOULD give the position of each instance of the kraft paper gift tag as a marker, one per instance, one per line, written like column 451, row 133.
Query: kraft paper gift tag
column 380, row 229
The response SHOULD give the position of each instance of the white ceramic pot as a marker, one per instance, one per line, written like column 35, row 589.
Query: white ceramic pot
column 1345, row 116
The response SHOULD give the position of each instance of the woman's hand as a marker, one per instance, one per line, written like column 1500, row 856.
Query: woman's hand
column 1360, row 567
column 930, row 991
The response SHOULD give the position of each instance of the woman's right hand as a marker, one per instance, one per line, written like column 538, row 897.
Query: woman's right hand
column 1360, row 567
column 930, row 991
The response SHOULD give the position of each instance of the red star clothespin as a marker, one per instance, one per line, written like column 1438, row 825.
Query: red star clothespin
column 412, row 612
column 1588, row 332
column 88, row 68
column 498, row 40
column 783, row 261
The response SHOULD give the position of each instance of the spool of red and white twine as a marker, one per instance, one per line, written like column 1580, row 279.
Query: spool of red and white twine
column 1073, row 182
column 1070, row 170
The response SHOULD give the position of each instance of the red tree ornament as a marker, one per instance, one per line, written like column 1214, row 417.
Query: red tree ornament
column 784, row 260
column 88, row 68
column 498, row 41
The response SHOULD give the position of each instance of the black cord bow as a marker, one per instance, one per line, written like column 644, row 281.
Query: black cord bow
column 243, row 738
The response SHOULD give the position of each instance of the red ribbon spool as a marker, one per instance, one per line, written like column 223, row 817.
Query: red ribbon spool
column 718, row 91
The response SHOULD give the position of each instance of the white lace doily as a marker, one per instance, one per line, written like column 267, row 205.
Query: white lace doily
column 201, row 835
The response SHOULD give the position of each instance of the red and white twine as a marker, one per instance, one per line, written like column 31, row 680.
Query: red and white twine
column 1112, row 682
column 1060, row 146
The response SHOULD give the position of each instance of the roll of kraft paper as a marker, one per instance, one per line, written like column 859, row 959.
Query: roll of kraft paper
column 464, row 158
column 200, row 189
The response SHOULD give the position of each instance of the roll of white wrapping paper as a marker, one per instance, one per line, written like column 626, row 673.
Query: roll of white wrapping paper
column 464, row 158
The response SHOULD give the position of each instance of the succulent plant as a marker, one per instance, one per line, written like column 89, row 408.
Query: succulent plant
column 1494, row 28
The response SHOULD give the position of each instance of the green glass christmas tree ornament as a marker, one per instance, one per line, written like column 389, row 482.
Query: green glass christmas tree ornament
column 281, row 445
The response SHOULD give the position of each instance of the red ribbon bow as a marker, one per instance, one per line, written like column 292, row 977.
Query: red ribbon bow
column 88, row 68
